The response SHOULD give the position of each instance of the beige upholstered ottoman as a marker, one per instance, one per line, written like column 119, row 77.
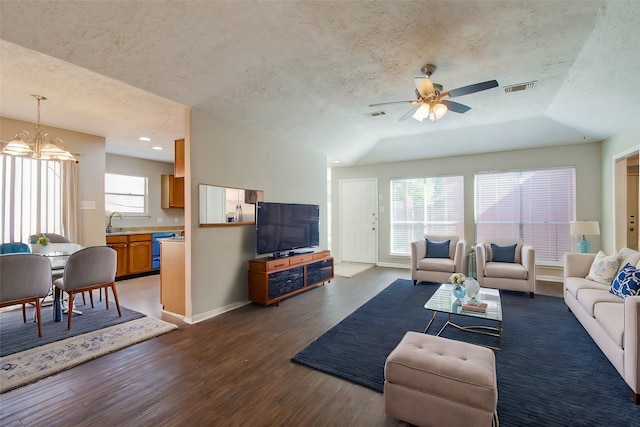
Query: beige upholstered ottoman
column 434, row 381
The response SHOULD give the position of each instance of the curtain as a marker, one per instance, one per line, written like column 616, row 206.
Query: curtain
column 71, row 213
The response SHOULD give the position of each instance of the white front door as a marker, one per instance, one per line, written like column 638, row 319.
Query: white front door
column 358, row 220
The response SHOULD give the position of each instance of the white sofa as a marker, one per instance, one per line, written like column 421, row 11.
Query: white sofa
column 612, row 322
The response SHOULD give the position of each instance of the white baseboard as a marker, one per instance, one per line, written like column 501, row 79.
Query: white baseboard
column 216, row 312
column 392, row 265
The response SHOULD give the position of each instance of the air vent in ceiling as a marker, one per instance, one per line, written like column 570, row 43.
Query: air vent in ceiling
column 520, row 86
column 376, row 114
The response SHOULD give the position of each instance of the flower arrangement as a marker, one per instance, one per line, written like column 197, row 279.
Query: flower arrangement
column 457, row 278
column 43, row 240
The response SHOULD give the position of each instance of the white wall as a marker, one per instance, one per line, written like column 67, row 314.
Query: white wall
column 226, row 154
column 623, row 143
column 91, row 157
column 585, row 158
column 157, row 217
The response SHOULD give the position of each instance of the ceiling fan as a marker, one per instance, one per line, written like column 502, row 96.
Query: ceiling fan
column 432, row 102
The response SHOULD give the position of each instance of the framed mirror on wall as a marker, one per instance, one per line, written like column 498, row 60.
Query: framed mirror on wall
column 227, row 206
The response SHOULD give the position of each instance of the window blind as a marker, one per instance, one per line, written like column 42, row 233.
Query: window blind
column 125, row 193
column 425, row 205
column 533, row 205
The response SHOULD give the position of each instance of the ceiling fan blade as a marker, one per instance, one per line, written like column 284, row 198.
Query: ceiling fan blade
column 413, row 101
column 409, row 113
column 425, row 86
column 455, row 106
column 466, row 90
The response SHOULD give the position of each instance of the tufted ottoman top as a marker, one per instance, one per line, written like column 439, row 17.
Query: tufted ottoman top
column 454, row 370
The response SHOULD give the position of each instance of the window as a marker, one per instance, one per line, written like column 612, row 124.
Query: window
column 125, row 193
column 31, row 198
column 533, row 205
column 425, row 205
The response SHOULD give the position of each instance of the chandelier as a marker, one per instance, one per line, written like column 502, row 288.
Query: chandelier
column 41, row 146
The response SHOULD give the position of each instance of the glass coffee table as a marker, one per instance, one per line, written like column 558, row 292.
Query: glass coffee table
column 443, row 301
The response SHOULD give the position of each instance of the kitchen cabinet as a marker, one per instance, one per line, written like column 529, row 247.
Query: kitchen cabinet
column 133, row 253
column 172, row 276
column 172, row 192
column 178, row 164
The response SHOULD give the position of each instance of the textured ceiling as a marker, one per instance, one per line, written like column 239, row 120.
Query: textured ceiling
column 307, row 71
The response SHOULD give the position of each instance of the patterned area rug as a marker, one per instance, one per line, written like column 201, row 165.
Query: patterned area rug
column 17, row 336
column 31, row 365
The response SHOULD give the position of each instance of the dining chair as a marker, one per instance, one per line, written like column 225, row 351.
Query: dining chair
column 90, row 268
column 53, row 238
column 24, row 280
column 56, row 238
column 14, row 247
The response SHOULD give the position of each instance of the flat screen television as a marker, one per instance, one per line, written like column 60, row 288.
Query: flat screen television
column 283, row 227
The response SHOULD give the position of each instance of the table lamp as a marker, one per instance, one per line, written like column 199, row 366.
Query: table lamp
column 584, row 228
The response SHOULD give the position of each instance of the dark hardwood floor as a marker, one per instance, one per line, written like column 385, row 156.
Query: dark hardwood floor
column 232, row 370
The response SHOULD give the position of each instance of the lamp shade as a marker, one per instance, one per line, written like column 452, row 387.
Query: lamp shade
column 584, row 228
column 437, row 111
column 17, row 147
column 422, row 112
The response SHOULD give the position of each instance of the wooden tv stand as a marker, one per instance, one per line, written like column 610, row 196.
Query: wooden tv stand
column 274, row 279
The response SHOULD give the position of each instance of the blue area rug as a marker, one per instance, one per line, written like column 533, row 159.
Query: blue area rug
column 16, row 336
column 550, row 372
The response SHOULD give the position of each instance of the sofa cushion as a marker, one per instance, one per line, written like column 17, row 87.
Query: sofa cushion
column 575, row 284
column 505, row 270
column 503, row 253
column 604, row 268
column 518, row 252
column 588, row 298
column 627, row 282
column 453, row 241
column 611, row 317
column 629, row 256
column 438, row 249
column 437, row 264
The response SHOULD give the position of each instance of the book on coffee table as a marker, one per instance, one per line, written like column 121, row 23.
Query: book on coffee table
column 477, row 308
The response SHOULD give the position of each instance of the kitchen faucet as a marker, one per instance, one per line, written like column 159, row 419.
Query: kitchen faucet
column 109, row 228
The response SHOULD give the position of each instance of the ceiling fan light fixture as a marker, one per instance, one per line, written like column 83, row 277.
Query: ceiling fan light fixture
column 421, row 113
column 437, row 111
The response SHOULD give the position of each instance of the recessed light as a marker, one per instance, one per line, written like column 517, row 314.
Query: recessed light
column 336, row 161
column 144, row 138
column 157, row 148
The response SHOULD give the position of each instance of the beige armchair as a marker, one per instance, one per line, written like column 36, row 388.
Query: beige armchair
column 426, row 268
column 494, row 272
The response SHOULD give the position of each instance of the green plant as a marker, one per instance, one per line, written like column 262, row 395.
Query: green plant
column 457, row 278
column 43, row 240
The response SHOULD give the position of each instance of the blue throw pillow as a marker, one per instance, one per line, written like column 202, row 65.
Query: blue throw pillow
column 503, row 253
column 438, row 249
column 627, row 282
